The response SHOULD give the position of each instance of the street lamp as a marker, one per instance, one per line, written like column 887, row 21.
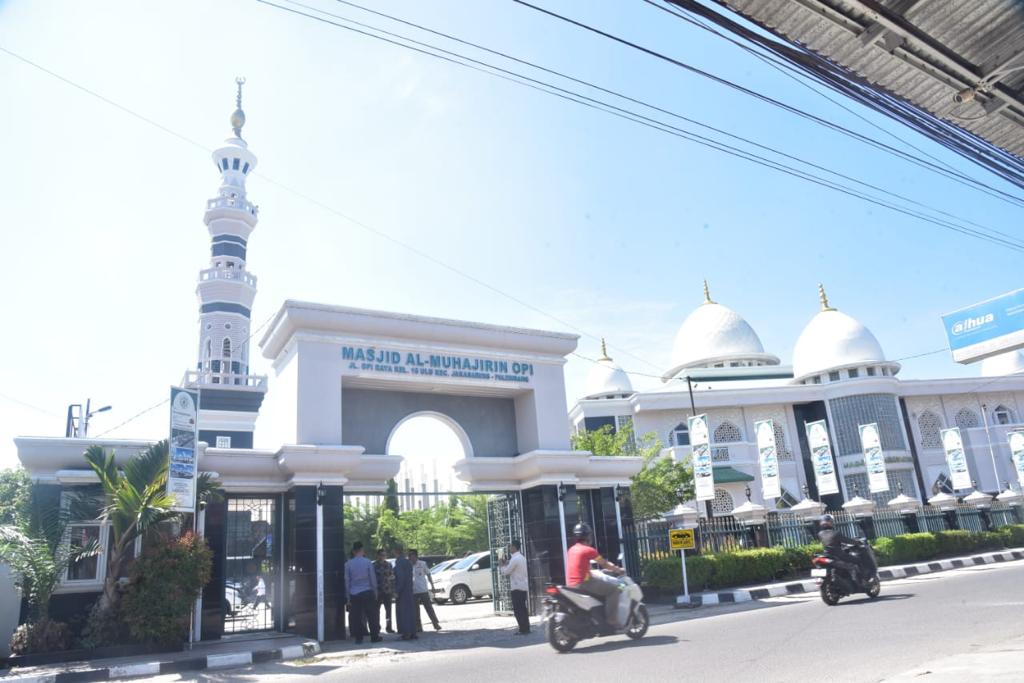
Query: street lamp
column 79, row 428
column 859, row 507
column 903, row 503
column 750, row 513
column 807, row 508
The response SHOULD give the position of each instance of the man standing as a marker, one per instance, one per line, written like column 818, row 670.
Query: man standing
column 385, row 586
column 423, row 596
column 514, row 567
column 405, row 619
column 361, row 595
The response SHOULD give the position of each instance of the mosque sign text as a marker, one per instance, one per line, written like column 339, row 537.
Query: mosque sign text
column 372, row 359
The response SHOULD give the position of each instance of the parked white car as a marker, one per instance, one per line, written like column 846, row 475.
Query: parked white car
column 468, row 578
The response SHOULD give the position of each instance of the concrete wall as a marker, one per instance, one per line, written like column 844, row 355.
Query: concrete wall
column 10, row 606
column 369, row 416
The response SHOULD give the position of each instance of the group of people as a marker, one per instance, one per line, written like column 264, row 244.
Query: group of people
column 408, row 585
column 370, row 586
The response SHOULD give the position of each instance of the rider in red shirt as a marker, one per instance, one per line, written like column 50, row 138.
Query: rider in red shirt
column 578, row 577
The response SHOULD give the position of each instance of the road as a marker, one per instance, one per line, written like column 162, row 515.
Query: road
column 913, row 625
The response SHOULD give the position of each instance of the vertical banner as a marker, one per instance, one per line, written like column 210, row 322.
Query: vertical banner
column 874, row 460
column 821, row 458
column 181, row 474
column 768, row 458
column 953, row 444
column 1017, row 454
column 700, row 443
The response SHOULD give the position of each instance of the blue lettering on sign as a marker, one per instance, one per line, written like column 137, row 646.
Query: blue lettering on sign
column 985, row 321
column 436, row 365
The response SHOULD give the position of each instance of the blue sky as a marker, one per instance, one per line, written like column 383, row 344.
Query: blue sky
column 606, row 225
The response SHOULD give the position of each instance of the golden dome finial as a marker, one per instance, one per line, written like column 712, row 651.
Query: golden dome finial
column 707, row 294
column 238, row 118
column 823, row 297
column 604, row 350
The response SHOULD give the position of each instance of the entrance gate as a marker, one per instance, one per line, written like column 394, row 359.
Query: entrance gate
column 250, row 582
column 504, row 525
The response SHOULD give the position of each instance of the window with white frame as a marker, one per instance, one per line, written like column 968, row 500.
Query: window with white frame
column 930, row 426
column 83, row 531
column 680, row 435
column 967, row 419
column 1002, row 415
column 626, row 422
column 82, row 536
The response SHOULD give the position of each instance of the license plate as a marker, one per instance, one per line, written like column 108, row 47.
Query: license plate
column 819, row 572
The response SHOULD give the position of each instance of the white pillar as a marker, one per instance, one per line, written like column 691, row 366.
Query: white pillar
column 197, row 609
column 319, row 570
column 618, row 523
column 561, row 524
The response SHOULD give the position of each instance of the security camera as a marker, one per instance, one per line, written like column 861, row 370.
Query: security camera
column 965, row 95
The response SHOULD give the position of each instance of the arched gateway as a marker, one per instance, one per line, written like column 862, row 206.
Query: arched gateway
column 344, row 379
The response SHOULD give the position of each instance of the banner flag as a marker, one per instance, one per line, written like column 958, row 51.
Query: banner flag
column 703, row 472
column 874, row 459
column 1016, row 439
column 953, row 444
column 768, row 459
column 821, row 457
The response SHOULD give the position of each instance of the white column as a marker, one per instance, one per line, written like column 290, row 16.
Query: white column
column 618, row 523
column 319, row 571
column 561, row 524
column 197, row 609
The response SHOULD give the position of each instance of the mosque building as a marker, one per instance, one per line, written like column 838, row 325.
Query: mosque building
column 839, row 374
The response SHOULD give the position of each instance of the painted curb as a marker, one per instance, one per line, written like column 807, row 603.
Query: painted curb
column 219, row 661
column 810, row 585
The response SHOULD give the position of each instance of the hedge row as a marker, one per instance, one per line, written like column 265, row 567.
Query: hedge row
column 760, row 565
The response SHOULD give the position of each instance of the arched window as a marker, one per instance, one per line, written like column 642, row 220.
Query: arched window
column 722, row 503
column 929, row 424
column 727, row 432
column 967, row 419
column 209, row 349
column 680, row 435
column 1002, row 415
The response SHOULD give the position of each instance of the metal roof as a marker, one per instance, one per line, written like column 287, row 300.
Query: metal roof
column 924, row 51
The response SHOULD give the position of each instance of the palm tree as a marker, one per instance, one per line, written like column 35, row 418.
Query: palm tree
column 135, row 501
column 38, row 550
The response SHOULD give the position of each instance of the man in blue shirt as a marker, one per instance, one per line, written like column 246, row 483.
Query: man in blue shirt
column 361, row 595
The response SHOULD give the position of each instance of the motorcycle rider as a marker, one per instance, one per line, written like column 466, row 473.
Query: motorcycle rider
column 833, row 542
column 578, row 577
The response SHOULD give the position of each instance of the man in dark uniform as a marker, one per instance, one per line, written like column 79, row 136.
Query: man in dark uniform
column 833, row 542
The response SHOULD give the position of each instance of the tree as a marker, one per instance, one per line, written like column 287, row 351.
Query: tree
column 659, row 486
column 14, row 495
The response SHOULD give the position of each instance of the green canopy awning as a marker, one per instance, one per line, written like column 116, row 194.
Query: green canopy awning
column 728, row 475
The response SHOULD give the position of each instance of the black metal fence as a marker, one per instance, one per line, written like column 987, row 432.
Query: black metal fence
column 721, row 534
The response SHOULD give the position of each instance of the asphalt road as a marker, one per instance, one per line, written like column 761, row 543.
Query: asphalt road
column 913, row 624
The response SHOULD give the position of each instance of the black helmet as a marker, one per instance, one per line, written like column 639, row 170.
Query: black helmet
column 581, row 530
column 827, row 522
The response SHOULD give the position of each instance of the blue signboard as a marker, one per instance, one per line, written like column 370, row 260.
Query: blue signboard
column 986, row 328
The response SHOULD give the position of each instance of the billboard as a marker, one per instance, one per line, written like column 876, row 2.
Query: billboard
column 183, row 466
column 874, row 459
column 821, row 458
column 703, row 472
column 986, row 328
column 768, row 459
column 953, row 444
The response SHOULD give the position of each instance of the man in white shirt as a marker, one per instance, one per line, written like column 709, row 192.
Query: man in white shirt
column 420, row 591
column 514, row 567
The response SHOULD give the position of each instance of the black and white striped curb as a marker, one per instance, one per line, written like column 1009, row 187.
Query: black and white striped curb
column 810, row 585
column 221, row 661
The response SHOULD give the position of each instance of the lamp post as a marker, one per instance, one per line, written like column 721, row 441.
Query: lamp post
column 750, row 515
column 980, row 502
column 907, row 507
column 863, row 510
column 320, row 495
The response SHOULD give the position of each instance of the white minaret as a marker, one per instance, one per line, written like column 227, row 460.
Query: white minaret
column 230, row 396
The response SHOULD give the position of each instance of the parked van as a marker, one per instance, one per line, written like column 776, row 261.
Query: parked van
column 468, row 578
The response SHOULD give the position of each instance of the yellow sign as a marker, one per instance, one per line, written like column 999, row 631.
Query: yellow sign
column 681, row 539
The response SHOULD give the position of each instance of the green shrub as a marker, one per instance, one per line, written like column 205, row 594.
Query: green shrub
column 666, row 574
column 44, row 635
column 913, row 548
column 162, row 588
column 748, row 566
column 883, row 547
column 798, row 559
column 1012, row 535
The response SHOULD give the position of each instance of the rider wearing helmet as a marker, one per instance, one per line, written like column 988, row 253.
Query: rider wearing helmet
column 833, row 542
column 578, row 576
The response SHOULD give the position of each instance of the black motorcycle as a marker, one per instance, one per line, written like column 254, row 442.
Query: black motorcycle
column 571, row 616
column 835, row 578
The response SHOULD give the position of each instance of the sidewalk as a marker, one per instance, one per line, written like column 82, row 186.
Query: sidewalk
column 997, row 662
column 774, row 590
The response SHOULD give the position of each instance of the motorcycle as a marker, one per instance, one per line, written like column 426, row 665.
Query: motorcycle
column 571, row 616
column 835, row 580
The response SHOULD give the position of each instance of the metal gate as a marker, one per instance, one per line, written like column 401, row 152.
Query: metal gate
column 250, row 572
column 504, row 525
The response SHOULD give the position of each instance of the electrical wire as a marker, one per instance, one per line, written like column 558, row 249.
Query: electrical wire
column 936, row 168
column 630, row 115
column 653, row 107
column 29, row 405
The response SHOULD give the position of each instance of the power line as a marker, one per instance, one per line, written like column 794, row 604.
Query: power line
column 936, row 168
column 29, row 405
column 640, row 119
column 643, row 103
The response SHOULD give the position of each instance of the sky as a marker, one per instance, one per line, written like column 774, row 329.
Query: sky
column 573, row 220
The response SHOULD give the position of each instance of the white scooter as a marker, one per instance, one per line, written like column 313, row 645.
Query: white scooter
column 571, row 616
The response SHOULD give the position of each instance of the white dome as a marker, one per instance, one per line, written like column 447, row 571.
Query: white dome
column 713, row 334
column 834, row 340
column 606, row 378
column 1009, row 363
